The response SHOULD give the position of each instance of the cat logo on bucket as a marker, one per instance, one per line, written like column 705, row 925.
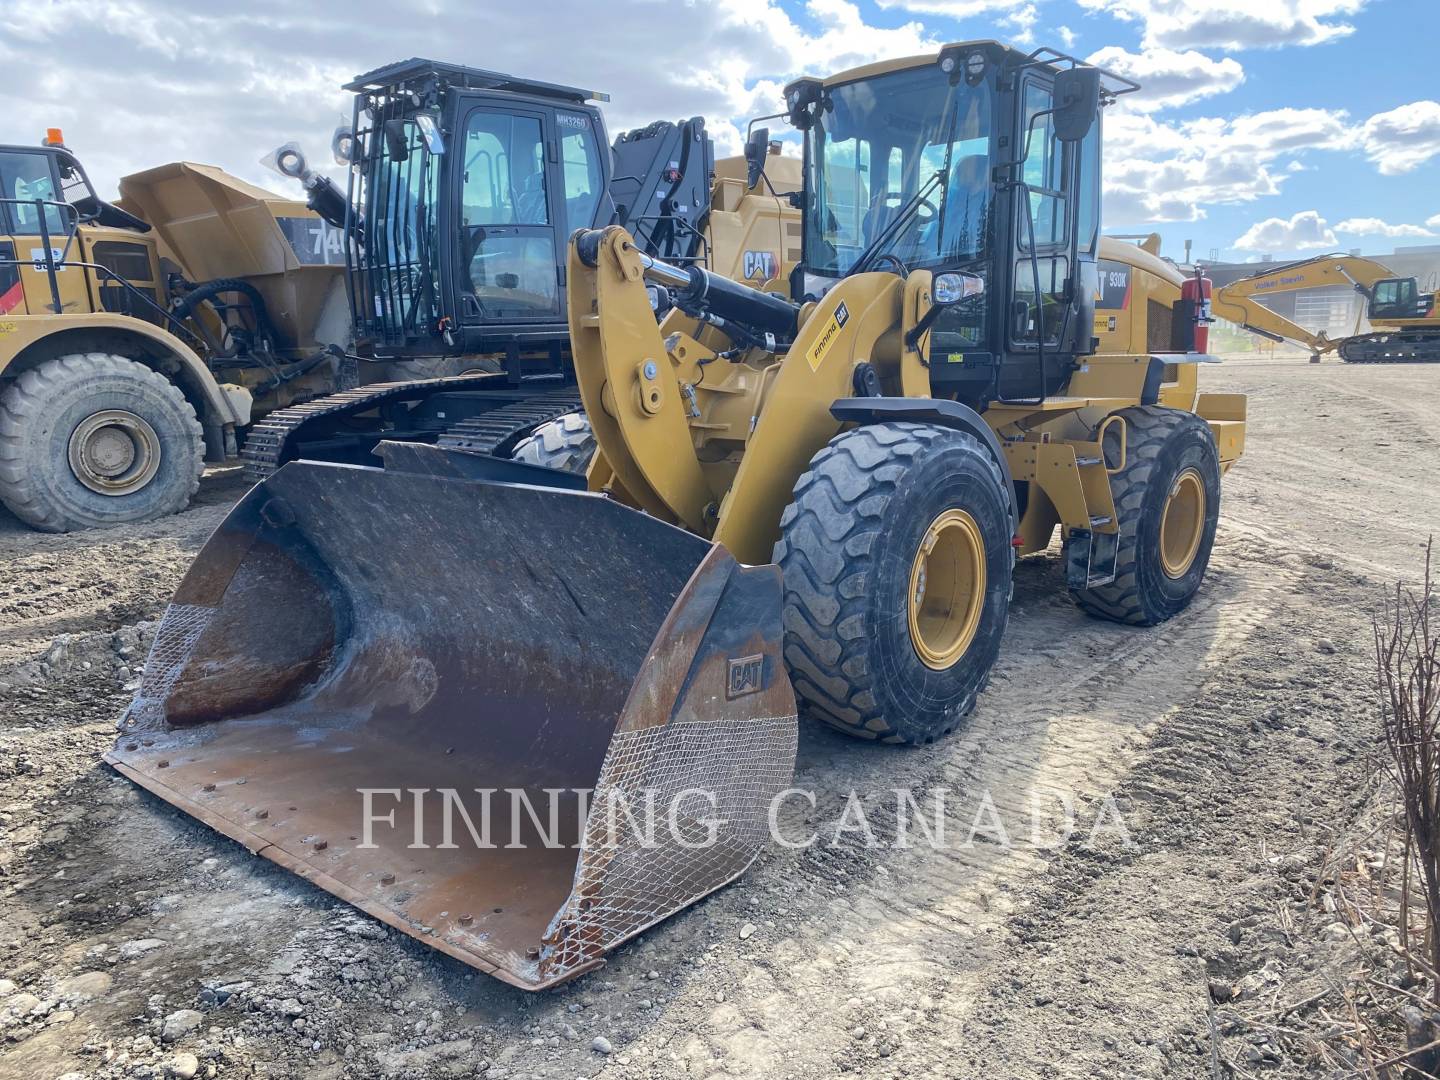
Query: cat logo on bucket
column 746, row 676
column 761, row 264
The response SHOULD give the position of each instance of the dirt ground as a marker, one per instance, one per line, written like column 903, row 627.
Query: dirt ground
column 1229, row 742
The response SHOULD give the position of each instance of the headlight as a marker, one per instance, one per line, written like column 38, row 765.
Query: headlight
column 288, row 160
column 342, row 145
column 952, row 288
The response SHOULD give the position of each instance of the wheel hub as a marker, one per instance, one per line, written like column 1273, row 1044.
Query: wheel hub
column 1183, row 524
column 947, row 589
column 114, row 452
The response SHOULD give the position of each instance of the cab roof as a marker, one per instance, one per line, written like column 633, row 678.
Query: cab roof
column 417, row 68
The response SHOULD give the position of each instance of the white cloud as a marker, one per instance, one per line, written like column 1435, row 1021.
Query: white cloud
column 1156, row 171
column 135, row 83
column 1066, row 35
column 1184, row 24
column 1021, row 23
column 1433, row 222
column 955, row 9
column 1404, row 138
column 1168, row 78
column 1303, row 231
column 1372, row 226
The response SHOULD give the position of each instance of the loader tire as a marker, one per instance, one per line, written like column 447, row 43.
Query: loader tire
column 567, row 443
column 93, row 440
column 863, row 655
column 1168, row 500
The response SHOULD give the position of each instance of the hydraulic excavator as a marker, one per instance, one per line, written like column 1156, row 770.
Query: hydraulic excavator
column 804, row 499
column 1404, row 320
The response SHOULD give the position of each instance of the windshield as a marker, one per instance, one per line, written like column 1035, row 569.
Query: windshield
column 875, row 144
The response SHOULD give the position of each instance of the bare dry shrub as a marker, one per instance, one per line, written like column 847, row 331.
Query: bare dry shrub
column 1407, row 664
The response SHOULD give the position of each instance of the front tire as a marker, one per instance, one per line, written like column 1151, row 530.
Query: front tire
column 897, row 562
column 95, row 440
column 1168, row 499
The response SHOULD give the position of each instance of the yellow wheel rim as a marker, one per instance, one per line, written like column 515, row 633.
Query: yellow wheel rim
column 947, row 589
column 1183, row 524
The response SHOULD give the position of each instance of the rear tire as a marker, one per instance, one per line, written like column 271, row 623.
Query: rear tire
column 566, row 443
column 1171, row 464
column 94, row 440
column 866, row 654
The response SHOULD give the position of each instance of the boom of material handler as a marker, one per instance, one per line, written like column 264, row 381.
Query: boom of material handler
column 812, row 499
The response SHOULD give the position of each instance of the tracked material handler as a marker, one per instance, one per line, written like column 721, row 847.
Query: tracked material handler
column 464, row 186
column 816, row 503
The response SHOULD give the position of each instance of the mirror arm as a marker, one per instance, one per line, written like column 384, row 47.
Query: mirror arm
column 921, row 328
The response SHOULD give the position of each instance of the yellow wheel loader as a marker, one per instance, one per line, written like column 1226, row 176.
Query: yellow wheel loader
column 810, row 497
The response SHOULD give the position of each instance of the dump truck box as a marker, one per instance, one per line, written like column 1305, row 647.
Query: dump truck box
column 612, row 670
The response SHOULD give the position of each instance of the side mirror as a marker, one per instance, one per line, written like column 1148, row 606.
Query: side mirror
column 1077, row 101
column 755, row 151
column 397, row 140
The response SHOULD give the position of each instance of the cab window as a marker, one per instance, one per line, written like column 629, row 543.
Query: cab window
column 1044, row 172
column 504, row 181
column 580, row 163
column 23, row 179
column 847, row 183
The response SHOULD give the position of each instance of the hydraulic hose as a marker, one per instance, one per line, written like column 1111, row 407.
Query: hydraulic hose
column 264, row 329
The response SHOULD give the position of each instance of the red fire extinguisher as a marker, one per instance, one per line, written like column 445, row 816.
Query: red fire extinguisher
column 1196, row 290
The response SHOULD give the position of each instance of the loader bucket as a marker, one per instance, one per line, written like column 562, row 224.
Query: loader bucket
column 358, row 655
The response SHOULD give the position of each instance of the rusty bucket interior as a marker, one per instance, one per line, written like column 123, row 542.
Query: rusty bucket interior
column 425, row 638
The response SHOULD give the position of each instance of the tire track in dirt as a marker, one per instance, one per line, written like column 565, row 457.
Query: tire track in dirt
column 56, row 584
column 910, row 930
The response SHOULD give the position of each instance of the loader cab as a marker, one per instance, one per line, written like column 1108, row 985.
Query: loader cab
column 467, row 184
column 984, row 162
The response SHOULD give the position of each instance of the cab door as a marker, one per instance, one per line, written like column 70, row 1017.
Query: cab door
column 27, row 176
column 508, row 244
column 1055, row 236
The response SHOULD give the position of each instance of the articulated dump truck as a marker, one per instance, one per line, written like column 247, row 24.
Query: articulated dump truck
column 801, row 502
column 138, row 340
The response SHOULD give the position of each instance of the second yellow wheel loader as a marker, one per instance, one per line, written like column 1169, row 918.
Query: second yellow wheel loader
column 813, row 502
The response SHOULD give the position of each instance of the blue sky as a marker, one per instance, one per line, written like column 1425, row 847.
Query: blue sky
column 1272, row 127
